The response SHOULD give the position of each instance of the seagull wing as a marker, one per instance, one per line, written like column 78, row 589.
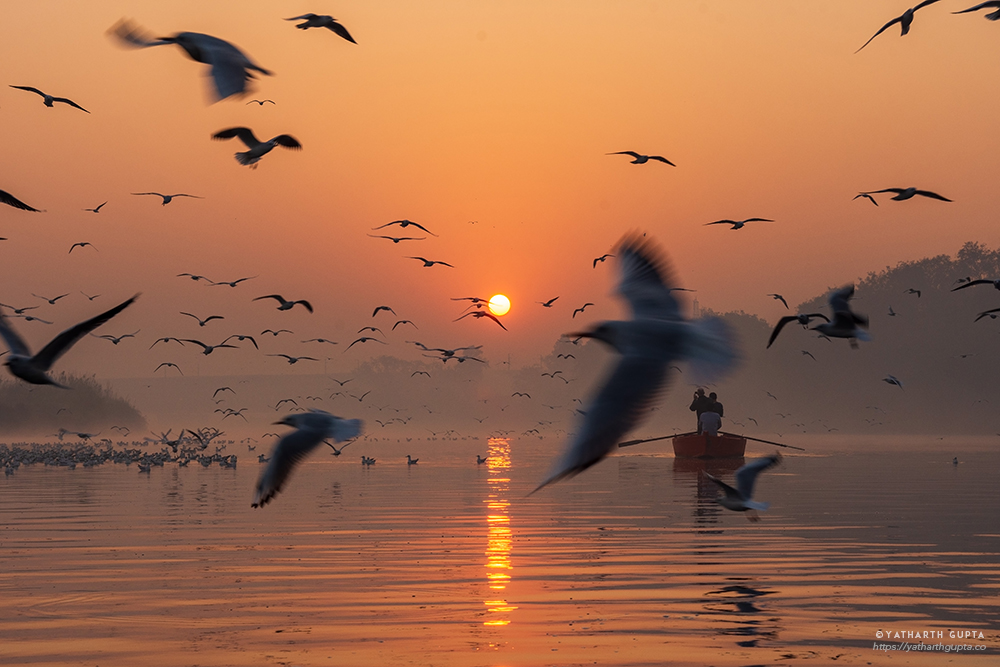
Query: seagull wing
column 133, row 36
column 662, row 159
column 645, row 279
column 286, row 454
column 983, row 314
column 747, row 475
column 229, row 66
column 11, row 200
column 730, row 491
column 973, row 282
column 632, row 153
column 14, row 342
column 58, row 346
column 880, row 31
column 341, row 30
column 781, row 325
column 932, row 195
column 287, row 140
column 624, row 399
column 29, row 89
column 70, row 102
column 981, row 5
column 245, row 134
column 892, row 190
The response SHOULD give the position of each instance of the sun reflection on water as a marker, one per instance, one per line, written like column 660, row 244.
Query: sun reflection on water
column 498, row 565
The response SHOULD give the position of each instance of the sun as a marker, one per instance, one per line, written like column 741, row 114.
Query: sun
column 499, row 304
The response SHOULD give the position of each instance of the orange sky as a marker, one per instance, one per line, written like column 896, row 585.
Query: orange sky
column 498, row 113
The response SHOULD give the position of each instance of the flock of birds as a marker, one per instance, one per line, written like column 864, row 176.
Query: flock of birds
column 648, row 345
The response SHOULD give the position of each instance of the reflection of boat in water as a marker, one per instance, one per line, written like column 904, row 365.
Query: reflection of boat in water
column 704, row 446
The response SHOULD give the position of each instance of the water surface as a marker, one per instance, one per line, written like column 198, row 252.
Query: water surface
column 450, row 563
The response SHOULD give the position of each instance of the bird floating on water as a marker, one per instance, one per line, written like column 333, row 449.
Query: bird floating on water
column 49, row 99
column 34, row 368
column 311, row 429
column 231, row 69
column 655, row 337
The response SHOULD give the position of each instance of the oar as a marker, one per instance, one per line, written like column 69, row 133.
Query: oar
column 764, row 441
column 629, row 443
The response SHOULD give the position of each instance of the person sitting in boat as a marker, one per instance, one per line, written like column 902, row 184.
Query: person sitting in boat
column 709, row 423
column 716, row 406
column 699, row 405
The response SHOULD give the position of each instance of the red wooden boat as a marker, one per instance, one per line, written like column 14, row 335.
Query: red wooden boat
column 723, row 446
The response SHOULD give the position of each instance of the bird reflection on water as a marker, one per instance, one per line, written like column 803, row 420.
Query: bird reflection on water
column 498, row 539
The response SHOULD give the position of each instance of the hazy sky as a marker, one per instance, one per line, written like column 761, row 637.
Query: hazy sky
column 489, row 123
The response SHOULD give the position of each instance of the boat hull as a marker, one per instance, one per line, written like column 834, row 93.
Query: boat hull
column 709, row 446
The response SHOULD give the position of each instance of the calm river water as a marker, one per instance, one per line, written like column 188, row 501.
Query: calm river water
column 450, row 563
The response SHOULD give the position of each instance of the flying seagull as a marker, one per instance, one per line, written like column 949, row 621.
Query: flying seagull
column 431, row 262
column 740, row 499
column 913, row 291
column 311, row 429
column 802, row 319
column 208, row 349
column 602, row 258
column 293, row 360
column 656, row 337
column 322, row 21
column 260, row 102
column 892, row 379
column 11, row 200
column 990, row 4
column 992, row 314
column 581, row 309
column 643, row 159
column 231, row 283
column 49, row 99
column 169, row 365
column 95, row 210
column 230, row 67
column 481, row 313
column 378, row 308
column 902, row 194
column 241, row 338
column 397, row 239
column 203, row 322
column 34, row 369
column 116, row 339
column 52, row 301
column 404, row 224
column 737, row 224
column 258, row 148
column 778, row 297
column 904, row 20
column 867, row 196
column 82, row 244
column 845, row 323
column 167, row 198
column 548, row 304
column 286, row 305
